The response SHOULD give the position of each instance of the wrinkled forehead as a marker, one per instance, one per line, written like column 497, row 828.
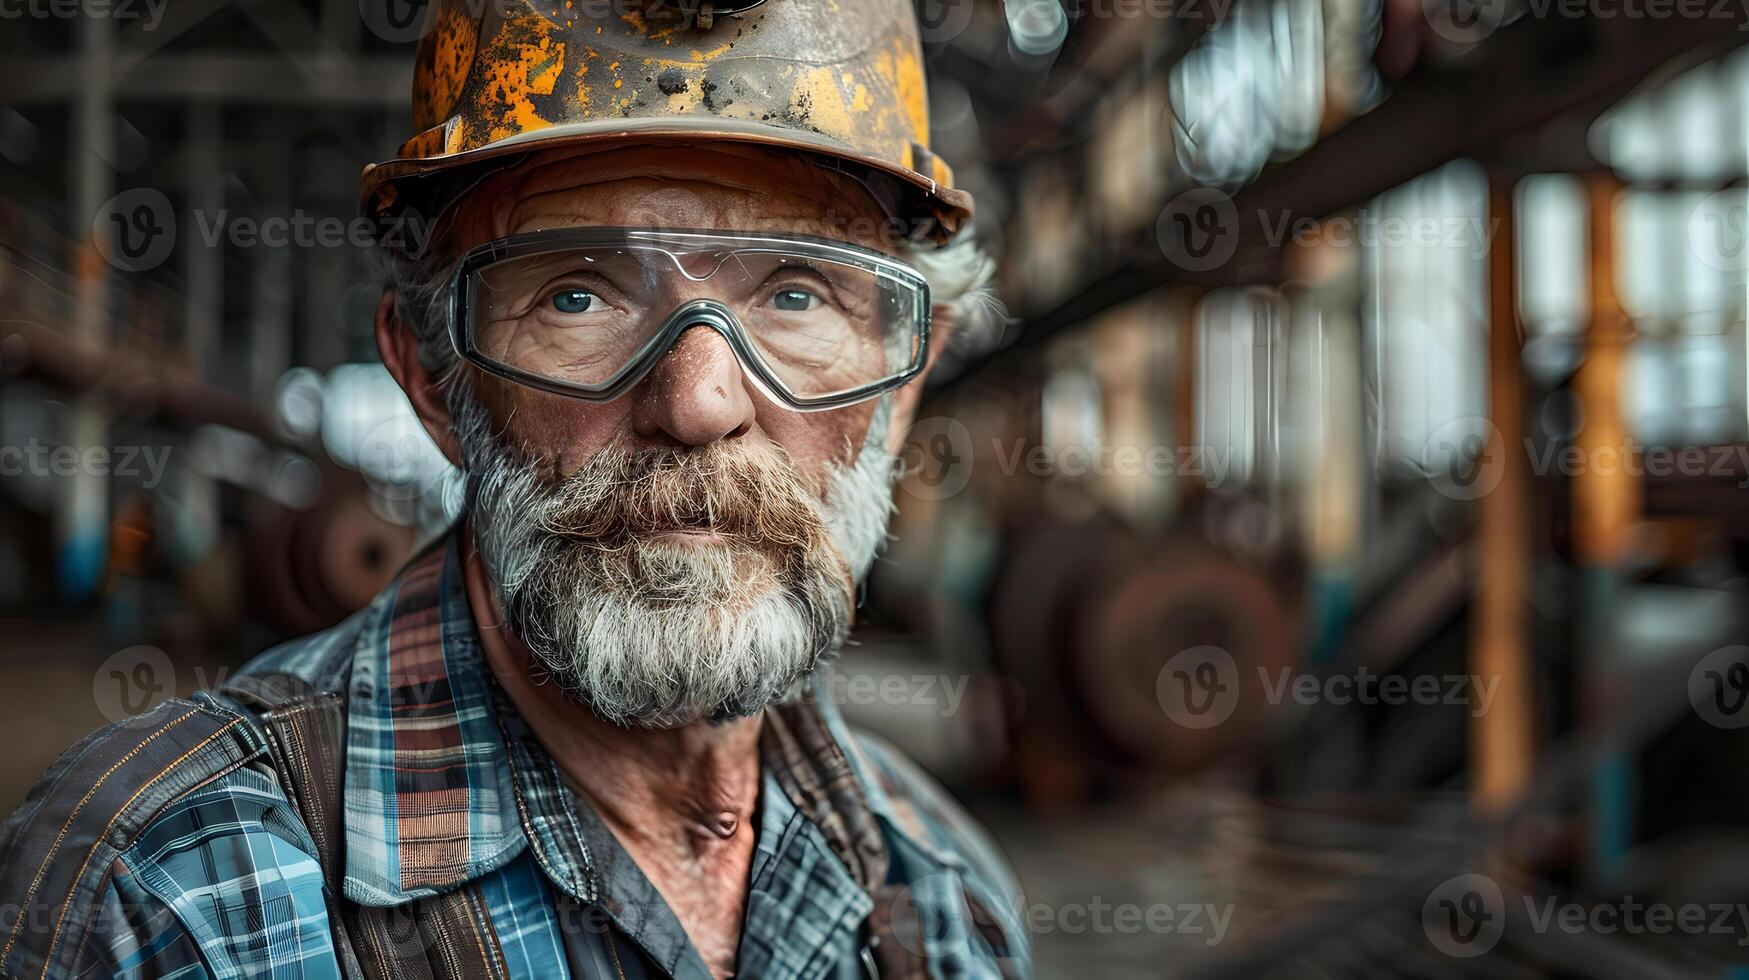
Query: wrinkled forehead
column 720, row 187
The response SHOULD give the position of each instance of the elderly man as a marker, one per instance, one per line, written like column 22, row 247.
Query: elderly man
column 663, row 326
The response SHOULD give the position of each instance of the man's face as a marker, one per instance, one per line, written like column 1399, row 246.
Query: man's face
column 697, row 395
column 690, row 549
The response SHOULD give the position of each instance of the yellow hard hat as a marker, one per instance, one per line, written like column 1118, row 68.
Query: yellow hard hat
column 839, row 79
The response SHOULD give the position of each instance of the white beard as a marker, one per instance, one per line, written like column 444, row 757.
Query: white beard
column 658, row 633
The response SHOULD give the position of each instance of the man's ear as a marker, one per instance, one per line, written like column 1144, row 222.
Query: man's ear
column 905, row 399
column 399, row 350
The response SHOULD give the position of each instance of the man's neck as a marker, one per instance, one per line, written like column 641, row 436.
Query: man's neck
column 690, row 788
column 680, row 800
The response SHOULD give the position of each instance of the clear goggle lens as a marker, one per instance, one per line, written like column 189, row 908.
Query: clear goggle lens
column 819, row 324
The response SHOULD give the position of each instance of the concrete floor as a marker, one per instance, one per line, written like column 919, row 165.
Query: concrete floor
column 1168, row 885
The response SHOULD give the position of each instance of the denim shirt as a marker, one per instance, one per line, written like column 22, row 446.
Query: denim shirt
column 445, row 786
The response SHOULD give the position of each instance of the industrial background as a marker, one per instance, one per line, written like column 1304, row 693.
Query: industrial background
column 1337, row 569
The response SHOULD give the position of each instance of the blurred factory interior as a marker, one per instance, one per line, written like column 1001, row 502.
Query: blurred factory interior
column 1349, row 341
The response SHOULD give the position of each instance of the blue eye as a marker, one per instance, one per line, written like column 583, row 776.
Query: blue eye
column 573, row 300
column 794, row 300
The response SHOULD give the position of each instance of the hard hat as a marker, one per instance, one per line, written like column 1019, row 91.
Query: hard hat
column 839, row 79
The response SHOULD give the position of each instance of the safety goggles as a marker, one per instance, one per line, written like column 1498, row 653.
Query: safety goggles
column 587, row 312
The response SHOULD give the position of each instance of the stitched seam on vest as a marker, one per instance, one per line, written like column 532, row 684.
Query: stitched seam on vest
column 12, row 938
column 49, row 954
column 439, row 940
column 474, row 929
column 486, row 933
column 325, row 849
column 80, row 938
column 368, row 932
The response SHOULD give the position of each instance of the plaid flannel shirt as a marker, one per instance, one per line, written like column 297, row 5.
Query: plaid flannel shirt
column 443, row 786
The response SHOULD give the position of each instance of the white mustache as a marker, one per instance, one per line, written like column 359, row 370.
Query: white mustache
column 652, row 634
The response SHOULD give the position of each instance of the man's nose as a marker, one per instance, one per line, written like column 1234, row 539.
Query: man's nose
column 695, row 395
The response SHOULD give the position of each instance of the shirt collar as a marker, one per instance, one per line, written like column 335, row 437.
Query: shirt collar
column 430, row 797
column 443, row 781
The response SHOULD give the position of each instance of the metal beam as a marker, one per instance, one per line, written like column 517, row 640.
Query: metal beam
column 1516, row 83
column 289, row 27
column 82, row 513
column 1502, row 741
column 137, row 43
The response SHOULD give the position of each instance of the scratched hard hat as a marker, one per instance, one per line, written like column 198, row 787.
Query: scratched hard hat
column 839, row 79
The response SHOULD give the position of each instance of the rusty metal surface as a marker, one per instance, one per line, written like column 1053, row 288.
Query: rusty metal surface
column 838, row 78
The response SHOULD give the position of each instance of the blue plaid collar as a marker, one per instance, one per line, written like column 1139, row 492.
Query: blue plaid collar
column 430, row 794
column 443, row 781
